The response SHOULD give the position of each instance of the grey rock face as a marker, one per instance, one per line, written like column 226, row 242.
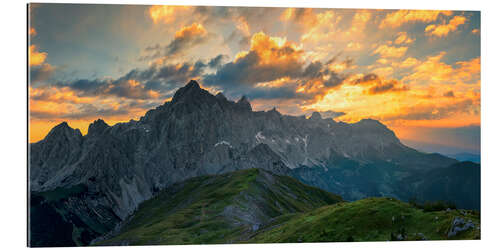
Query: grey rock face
column 459, row 225
column 198, row 134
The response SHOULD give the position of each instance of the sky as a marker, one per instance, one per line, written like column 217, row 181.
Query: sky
column 417, row 71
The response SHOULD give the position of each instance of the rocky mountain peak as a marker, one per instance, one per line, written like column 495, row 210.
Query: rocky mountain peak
column 316, row 116
column 63, row 130
column 221, row 96
column 193, row 84
column 190, row 92
column 97, row 127
column 244, row 103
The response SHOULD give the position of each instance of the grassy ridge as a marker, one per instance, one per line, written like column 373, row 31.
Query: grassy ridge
column 371, row 219
column 218, row 209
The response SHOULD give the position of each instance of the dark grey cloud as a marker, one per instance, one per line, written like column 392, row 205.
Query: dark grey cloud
column 248, row 71
column 138, row 84
column 185, row 39
column 286, row 91
column 329, row 114
column 122, row 87
column 243, row 75
column 449, row 94
column 387, row 86
column 377, row 85
column 181, row 44
column 86, row 111
column 367, row 79
column 217, row 61
column 41, row 73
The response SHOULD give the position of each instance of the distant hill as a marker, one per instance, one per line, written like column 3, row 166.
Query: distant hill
column 458, row 183
column 440, row 148
column 476, row 158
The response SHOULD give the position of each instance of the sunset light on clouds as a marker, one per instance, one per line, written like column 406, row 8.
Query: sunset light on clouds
column 417, row 71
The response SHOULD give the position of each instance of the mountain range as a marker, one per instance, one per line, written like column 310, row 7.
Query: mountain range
column 95, row 183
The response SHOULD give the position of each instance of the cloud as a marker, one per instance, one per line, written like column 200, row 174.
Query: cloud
column 156, row 82
column 184, row 39
column 32, row 31
column 386, row 51
column 187, row 37
column 367, row 79
column 84, row 112
column 377, row 85
column 269, row 58
column 400, row 17
column 353, row 46
column 56, row 94
column 403, row 38
column 330, row 114
column 41, row 73
column 359, row 21
column 167, row 14
column 55, row 102
column 444, row 29
column 217, row 61
column 303, row 16
column 435, row 111
column 127, row 88
column 39, row 70
column 36, row 58
column 434, row 71
column 449, row 94
column 387, row 86
column 275, row 68
column 409, row 62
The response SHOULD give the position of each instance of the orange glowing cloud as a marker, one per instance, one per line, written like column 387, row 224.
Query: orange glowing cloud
column 445, row 29
column 303, row 16
column 32, row 31
column 409, row 62
column 403, row 39
column 242, row 25
column 49, row 106
column 353, row 46
column 401, row 17
column 58, row 95
column 327, row 29
column 166, row 14
column 386, row 51
column 434, row 71
column 359, row 21
column 193, row 30
column 36, row 58
column 273, row 50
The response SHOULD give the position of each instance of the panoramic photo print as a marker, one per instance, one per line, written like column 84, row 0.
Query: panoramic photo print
column 173, row 125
